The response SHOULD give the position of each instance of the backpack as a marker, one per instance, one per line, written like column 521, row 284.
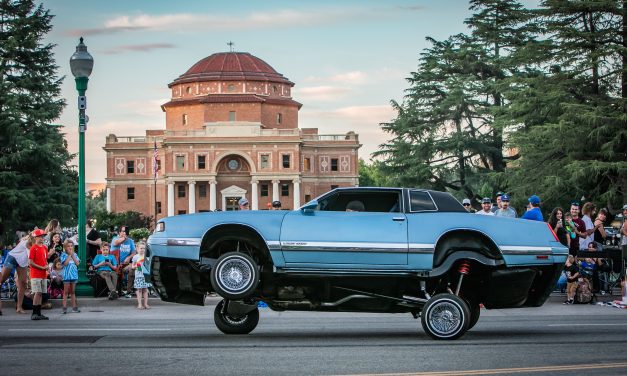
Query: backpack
column 583, row 294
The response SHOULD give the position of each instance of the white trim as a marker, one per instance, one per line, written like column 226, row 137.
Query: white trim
column 524, row 248
column 343, row 245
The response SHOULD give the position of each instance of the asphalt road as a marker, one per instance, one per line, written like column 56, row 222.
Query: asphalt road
column 111, row 338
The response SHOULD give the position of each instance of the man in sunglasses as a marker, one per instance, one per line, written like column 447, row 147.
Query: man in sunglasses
column 466, row 203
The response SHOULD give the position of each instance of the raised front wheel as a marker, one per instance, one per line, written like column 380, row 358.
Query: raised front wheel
column 445, row 316
column 234, row 276
column 228, row 324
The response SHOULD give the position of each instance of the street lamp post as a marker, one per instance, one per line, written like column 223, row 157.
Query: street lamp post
column 81, row 64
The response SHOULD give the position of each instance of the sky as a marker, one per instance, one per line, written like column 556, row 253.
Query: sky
column 348, row 59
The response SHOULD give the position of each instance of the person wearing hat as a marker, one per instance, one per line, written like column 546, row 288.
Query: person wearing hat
column 276, row 205
column 38, row 272
column 467, row 205
column 486, row 207
column 243, row 204
column 623, row 232
column 498, row 204
column 505, row 210
column 533, row 212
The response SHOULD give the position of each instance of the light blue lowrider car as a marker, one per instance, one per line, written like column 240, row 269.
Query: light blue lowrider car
column 410, row 250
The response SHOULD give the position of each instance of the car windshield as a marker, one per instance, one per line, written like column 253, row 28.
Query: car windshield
column 373, row 201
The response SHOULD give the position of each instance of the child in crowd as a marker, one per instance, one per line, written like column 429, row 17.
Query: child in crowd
column 38, row 273
column 56, row 279
column 55, row 249
column 70, row 262
column 572, row 276
column 140, row 282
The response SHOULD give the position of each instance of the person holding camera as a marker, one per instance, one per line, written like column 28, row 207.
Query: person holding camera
column 107, row 267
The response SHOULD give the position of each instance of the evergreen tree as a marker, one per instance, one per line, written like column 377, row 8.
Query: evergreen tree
column 36, row 181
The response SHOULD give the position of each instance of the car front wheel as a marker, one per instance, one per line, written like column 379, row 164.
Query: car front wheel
column 445, row 316
column 235, row 325
column 234, row 276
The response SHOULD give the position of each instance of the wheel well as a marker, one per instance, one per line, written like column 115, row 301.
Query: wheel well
column 228, row 238
column 464, row 240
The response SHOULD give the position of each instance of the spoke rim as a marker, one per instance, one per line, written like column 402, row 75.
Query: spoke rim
column 235, row 275
column 445, row 318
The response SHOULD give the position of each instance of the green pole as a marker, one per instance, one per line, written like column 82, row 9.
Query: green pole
column 83, row 287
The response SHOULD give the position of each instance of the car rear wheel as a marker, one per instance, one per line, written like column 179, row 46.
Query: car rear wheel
column 234, row 276
column 235, row 325
column 445, row 316
column 475, row 312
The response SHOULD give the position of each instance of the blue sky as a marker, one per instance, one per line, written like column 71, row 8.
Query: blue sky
column 348, row 58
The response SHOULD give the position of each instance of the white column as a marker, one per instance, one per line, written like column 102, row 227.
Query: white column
column 108, row 200
column 254, row 200
column 296, row 193
column 212, row 194
column 170, row 199
column 192, row 196
column 275, row 190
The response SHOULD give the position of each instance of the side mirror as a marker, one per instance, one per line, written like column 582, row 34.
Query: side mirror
column 310, row 207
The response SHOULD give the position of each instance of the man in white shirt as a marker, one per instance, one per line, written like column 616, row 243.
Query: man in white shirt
column 486, row 207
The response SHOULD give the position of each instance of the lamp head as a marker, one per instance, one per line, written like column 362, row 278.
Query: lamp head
column 81, row 62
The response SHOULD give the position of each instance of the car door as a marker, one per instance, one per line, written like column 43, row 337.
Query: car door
column 337, row 239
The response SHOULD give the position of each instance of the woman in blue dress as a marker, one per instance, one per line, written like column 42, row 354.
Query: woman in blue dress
column 70, row 263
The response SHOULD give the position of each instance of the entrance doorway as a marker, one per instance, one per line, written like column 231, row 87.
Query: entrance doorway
column 231, row 203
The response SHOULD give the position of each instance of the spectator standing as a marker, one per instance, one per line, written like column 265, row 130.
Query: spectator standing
column 276, row 205
column 599, row 235
column 38, row 271
column 125, row 247
column 498, row 204
column 93, row 241
column 588, row 211
column 55, row 248
column 486, row 207
column 243, row 204
column 556, row 221
column 572, row 276
column 623, row 241
column 53, row 227
column 533, row 213
column 467, row 205
column 578, row 227
column 17, row 260
column 505, row 210
column 107, row 267
column 70, row 262
column 141, row 286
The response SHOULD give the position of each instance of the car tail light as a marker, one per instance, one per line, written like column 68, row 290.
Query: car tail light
column 542, row 257
column 553, row 232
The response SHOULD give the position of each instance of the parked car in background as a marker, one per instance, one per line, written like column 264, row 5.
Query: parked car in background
column 409, row 251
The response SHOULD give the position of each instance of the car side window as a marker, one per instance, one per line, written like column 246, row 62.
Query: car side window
column 373, row 201
column 421, row 201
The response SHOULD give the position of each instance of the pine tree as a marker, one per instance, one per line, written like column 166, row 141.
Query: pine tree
column 36, row 181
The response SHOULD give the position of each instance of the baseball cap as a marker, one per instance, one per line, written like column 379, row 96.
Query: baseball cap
column 276, row 204
column 466, row 201
column 534, row 199
column 37, row 233
column 504, row 197
column 625, row 207
column 575, row 202
column 486, row 200
column 242, row 201
column 499, row 193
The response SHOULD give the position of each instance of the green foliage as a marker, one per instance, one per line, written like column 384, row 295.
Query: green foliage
column 132, row 219
column 37, row 182
column 139, row 233
column 371, row 175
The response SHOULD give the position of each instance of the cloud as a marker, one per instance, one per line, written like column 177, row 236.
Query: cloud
column 355, row 77
column 209, row 22
column 320, row 93
column 137, row 48
column 145, row 108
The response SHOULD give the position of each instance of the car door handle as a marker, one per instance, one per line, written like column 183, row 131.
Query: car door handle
column 398, row 219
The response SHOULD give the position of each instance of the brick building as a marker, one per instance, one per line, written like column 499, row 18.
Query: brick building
column 231, row 131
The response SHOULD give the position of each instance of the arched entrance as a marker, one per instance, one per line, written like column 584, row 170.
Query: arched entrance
column 233, row 175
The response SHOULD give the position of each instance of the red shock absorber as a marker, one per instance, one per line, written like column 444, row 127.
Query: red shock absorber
column 463, row 269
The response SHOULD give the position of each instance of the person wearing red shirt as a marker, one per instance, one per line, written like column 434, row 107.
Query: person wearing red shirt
column 579, row 228
column 38, row 272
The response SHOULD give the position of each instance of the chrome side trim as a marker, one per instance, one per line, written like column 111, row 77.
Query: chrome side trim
column 272, row 244
column 317, row 271
column 343, row 247
column 421, row 248
column 525, row 250
column 191, row 242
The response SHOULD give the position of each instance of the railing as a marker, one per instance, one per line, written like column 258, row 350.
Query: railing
column 262, row 133
column 330, row 137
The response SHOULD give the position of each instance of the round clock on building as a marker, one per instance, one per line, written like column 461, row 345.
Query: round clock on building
column 233, row 164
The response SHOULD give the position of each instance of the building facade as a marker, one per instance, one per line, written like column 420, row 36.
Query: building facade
column 231, row 132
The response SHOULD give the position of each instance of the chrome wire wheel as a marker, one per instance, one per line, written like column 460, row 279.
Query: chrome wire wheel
column 234, row 276
column 445, row 316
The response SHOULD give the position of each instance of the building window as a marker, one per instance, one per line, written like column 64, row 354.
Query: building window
column 285, row 189
column 181, row 190
column 180, row 162
column 279, row 118
column 230, row 88
column 158, row 164
column 333, row 164
column 264, row 190
column 130, row 193
column 275, row 88
column 188, row 90
column 158, row 207
column 334, row 187
column 307, row 198
column 307, row 164
column 265, row 161
column 201, row 162
column 286, row 160
column 231, row 115
column 184, row 119
column 130, row 167
column 202, row 190
column 182, row 212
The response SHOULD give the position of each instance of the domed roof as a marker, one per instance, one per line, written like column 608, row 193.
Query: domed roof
column 226, row 66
